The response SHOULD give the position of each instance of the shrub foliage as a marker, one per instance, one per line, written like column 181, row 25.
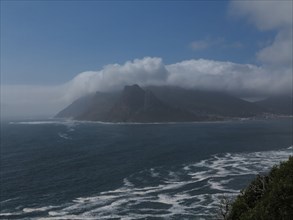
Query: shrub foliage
column 267, row 197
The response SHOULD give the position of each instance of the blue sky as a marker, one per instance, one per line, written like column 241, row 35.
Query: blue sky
column 49, row 42
column 53, row 52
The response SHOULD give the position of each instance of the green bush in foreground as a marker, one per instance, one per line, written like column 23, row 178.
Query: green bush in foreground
column 267, row 197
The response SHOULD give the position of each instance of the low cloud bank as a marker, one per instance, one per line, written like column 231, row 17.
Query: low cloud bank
column 238, row 79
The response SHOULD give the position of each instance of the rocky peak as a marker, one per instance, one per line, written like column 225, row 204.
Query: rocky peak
column 133, row 96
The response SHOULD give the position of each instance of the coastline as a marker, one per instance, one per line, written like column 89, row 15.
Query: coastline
column 55, row 120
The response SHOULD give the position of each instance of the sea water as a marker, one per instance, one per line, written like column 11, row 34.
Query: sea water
column 80, row 170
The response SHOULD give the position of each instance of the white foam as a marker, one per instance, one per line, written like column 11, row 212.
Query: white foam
column 37, row 122
column 64, row 136
column 29, row 210
column 182, row 191
column 40, row 209
column 154, row 173
column 127, row 183
column 8, row 200
column 54, row 213
column 10, row 213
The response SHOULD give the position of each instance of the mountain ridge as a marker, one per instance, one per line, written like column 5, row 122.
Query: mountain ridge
column 277, row 104
column 160, row 104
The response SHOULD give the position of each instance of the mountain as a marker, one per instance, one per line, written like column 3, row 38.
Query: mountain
column 206, row 102
column 278, row 104
column 91, row 107
column 76, row 108
column 138, row 105
column 158, row 104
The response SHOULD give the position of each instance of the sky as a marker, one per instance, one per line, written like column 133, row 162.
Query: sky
column 53, row 52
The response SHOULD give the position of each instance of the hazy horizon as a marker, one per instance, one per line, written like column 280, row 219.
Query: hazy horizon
column 231, row 46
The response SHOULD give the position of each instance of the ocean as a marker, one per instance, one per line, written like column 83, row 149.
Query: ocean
column 55, row 169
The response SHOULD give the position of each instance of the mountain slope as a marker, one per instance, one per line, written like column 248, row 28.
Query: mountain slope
column 138, row 105
column 206, row 102
column 91, row 107
column 76, row 108
column 278, row 104
column 159, row 104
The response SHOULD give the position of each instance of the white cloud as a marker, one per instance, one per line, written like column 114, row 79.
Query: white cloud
column 144, row 71
column 219, row 43
column 280, row 51
column 270, row 15
column 266, row 15
column 199, row 45
column 47, row 100
column 197, row 74
column 207, row 43
column 273, row 77
column 229, row 77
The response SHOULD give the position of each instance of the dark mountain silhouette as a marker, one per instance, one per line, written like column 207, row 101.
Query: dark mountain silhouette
column 206, row 102
column 161, row 104
column 138, row 105
column 278, row 104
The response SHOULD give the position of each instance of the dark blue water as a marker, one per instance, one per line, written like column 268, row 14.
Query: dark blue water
column 74, row 170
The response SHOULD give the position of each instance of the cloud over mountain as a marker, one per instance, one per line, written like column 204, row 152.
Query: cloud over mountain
column 146, row 71
column 240, row 79
column 197, row 74
column 272, row 76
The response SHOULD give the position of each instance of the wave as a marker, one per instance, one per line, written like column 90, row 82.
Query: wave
column 155, row 123
column 71, row 121
column 185, row 191
column 64, row 136
column 41, row 209
column 35, row 122
column 28, row 211
column 69, row 124
column 62, row 122
column 8, row 200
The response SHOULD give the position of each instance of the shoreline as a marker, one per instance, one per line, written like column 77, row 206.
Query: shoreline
column 62, row 120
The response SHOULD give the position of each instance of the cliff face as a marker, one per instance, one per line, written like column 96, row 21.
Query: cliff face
column 163, row 104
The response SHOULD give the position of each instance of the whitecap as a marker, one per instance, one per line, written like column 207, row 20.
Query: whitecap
column 189, row 190
column 38, row 209
column 64, row 136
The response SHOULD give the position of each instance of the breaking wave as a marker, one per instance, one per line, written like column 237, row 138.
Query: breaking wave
column 49, row 122
column 180, row 192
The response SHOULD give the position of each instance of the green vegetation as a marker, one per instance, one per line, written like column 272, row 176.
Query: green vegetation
column 267, row 197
